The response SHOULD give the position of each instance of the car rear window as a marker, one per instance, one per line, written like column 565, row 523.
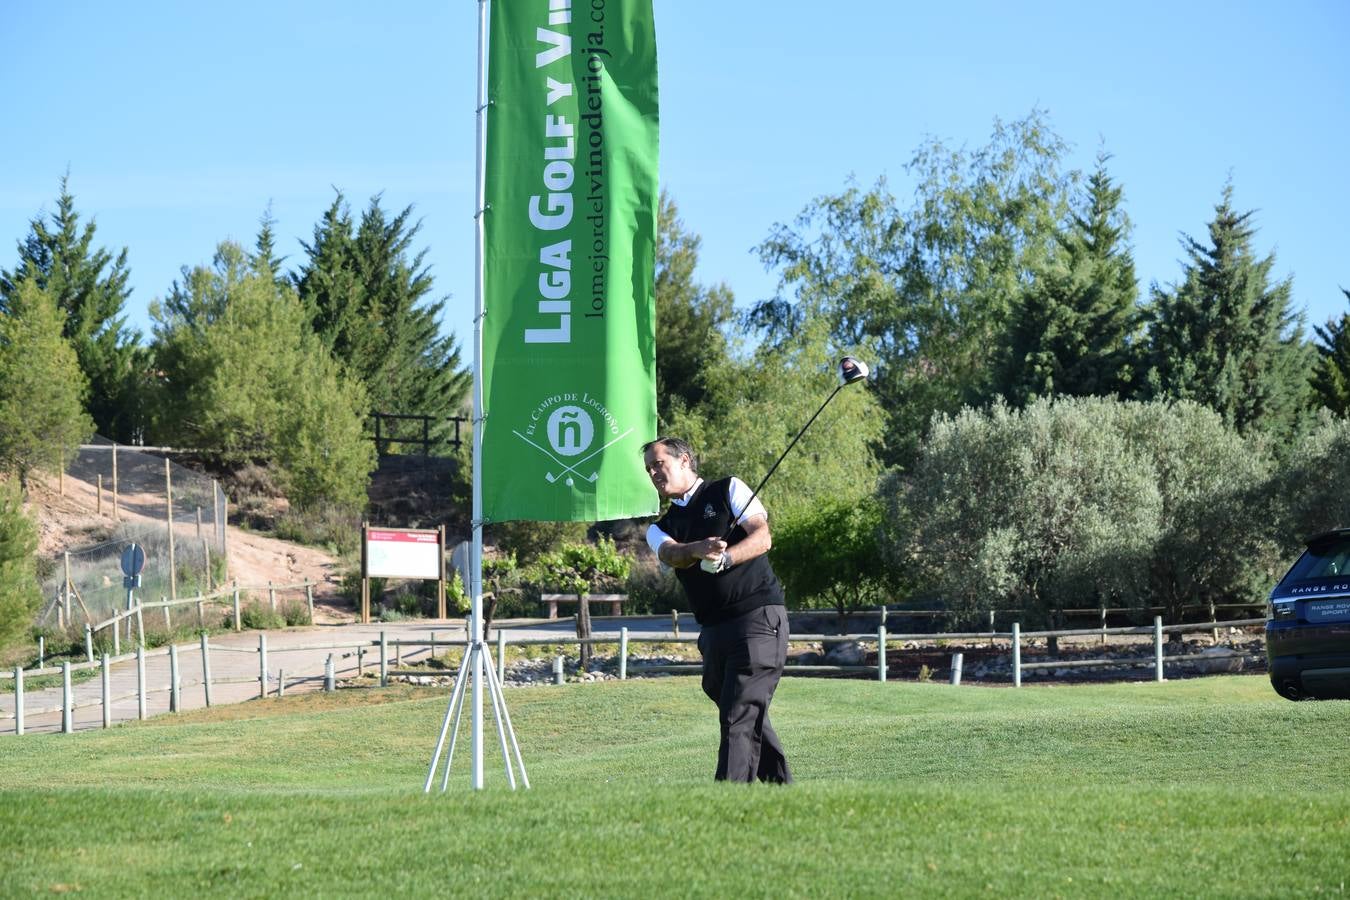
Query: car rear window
column 1324, row 559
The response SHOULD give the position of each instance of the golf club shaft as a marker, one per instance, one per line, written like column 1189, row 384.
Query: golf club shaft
column 736, row 519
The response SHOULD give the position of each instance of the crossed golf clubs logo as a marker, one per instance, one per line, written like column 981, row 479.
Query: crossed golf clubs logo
column 574, row 439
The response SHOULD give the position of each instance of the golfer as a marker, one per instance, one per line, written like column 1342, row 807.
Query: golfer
column 736, row 598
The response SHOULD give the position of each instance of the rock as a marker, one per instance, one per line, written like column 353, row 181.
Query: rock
column 1219, row 660
column 849, row 653
column 809, row 658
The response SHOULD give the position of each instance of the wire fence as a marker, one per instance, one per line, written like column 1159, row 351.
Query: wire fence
column 176, row 515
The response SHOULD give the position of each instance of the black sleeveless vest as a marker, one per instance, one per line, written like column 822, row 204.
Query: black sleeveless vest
column 725, row 595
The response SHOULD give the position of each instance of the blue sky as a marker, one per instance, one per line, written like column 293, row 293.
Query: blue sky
column 180, row 123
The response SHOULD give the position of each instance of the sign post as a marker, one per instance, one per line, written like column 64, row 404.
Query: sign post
column 133, row 561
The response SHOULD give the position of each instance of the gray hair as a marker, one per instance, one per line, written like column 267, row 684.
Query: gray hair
column 676, row 447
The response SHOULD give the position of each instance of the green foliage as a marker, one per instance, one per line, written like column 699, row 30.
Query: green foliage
column 364, row 291
column 334, row 528
column 1226, row 337
column 831, row 556
column 653, row 588
column 756, row 407
column 1084, row 502
column 456, row 597
column 1307, row 496
column 90, row 286
column 42, row 418
column 19, row 595
column 261, row 617
column 1331, row 374
column 581, row 568
column 245, row 378
column 527, row 540
column 932, row 287
column 689, row 318
column 1073, row 332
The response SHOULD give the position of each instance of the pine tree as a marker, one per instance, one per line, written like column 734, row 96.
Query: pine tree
column 1074, row 332
column 690, row 342
column 245, row 377
column 90, row 286
column 1226, row 337
column 366, row 293
column 1331, row 375
column 42, row 418
column 19, row 593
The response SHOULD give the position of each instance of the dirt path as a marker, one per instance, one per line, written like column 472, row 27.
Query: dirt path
column 70, row 518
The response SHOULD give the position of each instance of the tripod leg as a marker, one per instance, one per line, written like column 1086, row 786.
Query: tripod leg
column 445, row 727
column 506, row 721
column 465, row 670
column 499, row 704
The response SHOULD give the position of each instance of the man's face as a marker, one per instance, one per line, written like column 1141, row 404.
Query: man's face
column 670, row 473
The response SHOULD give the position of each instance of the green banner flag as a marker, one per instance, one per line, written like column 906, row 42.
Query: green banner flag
column 568, row 364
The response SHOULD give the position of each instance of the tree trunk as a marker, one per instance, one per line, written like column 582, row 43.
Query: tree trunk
column 584, row 629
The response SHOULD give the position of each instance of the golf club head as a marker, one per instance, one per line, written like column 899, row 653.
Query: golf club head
column 851, row 370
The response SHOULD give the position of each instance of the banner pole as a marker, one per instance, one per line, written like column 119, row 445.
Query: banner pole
column 476, row 562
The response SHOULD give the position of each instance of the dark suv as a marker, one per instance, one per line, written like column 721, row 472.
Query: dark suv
column 1308, row 632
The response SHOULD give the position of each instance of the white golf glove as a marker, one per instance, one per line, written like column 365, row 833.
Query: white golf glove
column 721, row 564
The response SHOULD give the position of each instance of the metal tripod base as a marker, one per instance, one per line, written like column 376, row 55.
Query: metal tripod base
column 477, row 665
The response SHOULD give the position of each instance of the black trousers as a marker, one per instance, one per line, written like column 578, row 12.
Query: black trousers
column 742, row 663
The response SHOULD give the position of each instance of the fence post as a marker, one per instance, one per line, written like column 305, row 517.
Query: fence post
column 98, row 504
column 675, row 622
column 18, row 699
column 1017, row 654
column 140, row 683
column 1214, row 634
column 117, row 633
column 398, row 653
column 501, row 656
column 1103, row 624
column 201, row 611
column 557, row 670
column 262, row 664
column 272, row 596
column 168, row 620
column 329, row 675
column 957, row 661
column 107, row 692
column 67, row 701
column 42, row 651
column 88, row 642
column 174, row 679
column 206, row 670
column 281, row 683
column 114, row 481
column 237, row 626
column 68, row 589
column 309, row 600
column 881, row 648
column 623, row 653
column 140, row 625
column 360, row 660
column 1157, row 649
column 384, row 660
column 168, row 499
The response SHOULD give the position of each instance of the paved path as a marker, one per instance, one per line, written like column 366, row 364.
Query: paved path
column 301, row 654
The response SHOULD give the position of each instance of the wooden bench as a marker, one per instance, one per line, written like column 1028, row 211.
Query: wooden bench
column 551, row 602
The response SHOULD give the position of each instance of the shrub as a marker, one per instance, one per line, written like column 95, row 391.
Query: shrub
column 261, row 617
column 19, row 594
column 653, row 588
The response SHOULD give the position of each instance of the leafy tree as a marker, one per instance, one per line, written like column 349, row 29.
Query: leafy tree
column 690, row 318
column 90, row 286
column 1084, row 500
column 756, row 406
column 364, row 290
column 580, row 569
column 1305, row 496
column 831, row 555
column 42, row 417
column 1034, row 510
column 1074, row 331
column 1226, row 337
column 245, row 377
column 932, row 288
column 1331, row 374
column 20, row 596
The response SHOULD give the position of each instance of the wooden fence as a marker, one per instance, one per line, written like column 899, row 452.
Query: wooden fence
column 389, row 658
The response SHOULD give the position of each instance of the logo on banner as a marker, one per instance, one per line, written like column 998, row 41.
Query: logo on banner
column 565, row 428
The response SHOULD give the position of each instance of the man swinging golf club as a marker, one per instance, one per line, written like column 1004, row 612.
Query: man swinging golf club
column 715, row 535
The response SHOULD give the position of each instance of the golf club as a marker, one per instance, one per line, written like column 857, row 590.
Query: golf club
column 850, row 370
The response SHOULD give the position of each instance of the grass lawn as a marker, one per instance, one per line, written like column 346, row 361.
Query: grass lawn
column 1206, row 787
